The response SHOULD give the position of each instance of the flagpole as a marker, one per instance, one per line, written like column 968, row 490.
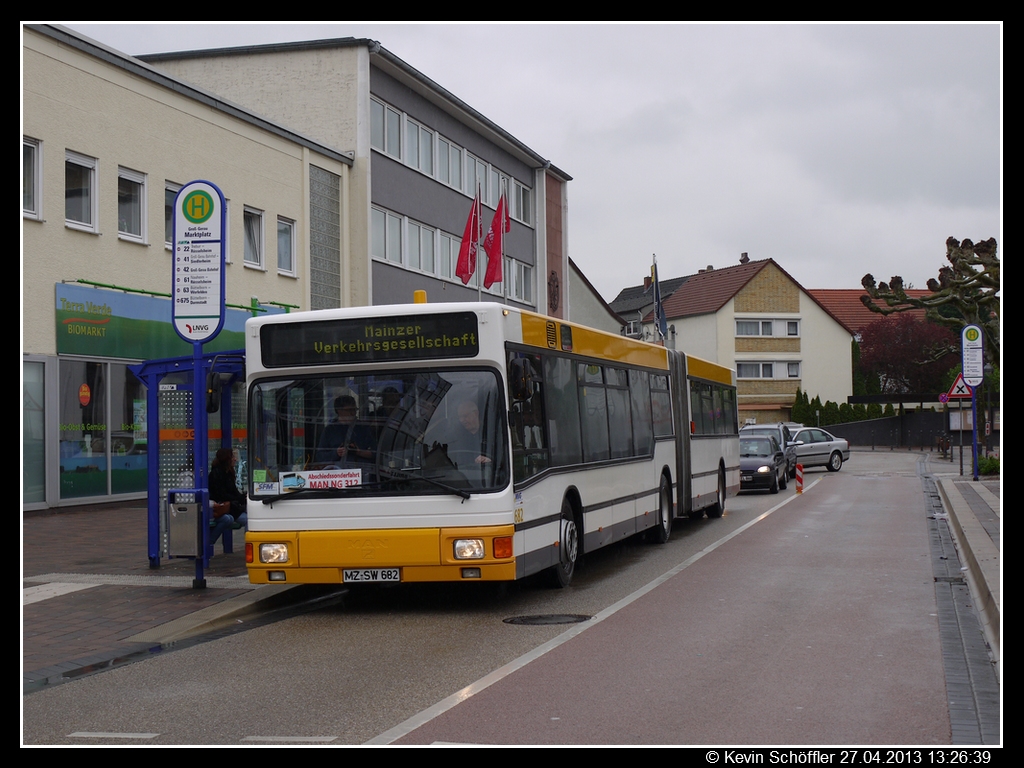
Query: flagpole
column 479, row 229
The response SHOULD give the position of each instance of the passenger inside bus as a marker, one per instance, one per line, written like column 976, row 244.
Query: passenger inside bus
column 467, row 445
column 346, row 439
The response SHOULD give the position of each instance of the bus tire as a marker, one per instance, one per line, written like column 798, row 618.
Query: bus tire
column 663, row 530
column 718, row 508
column 568, row 548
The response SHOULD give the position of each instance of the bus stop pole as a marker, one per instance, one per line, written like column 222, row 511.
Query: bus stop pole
column 200, row 463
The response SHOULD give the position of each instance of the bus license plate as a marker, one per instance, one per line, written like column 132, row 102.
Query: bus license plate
column 371, row 574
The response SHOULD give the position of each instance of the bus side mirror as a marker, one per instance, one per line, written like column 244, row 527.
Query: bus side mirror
column 521, row 377
column 213, row 390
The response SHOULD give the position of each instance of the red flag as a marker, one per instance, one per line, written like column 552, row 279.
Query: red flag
column 466, row 266
column 494, row 243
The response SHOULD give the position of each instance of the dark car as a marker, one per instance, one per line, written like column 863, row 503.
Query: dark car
column 781, row 432
column 817, row 448
column 762, row 464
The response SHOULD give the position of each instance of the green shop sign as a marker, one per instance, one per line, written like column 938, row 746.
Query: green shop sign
column 94, row 322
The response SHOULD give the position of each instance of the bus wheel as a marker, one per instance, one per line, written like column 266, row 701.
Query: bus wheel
column 664, row 528
column 716, row 509
column 568, row 548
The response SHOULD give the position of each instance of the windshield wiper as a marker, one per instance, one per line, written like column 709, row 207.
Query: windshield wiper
column 399, row 474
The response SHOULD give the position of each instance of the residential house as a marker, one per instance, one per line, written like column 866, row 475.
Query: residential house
column 756, row 318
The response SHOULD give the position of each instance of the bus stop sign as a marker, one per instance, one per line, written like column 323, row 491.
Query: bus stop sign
column 197, row 282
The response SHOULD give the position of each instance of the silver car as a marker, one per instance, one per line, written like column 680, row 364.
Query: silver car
column 817, row 448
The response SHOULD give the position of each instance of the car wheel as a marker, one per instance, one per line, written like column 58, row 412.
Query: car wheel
column 775, row 484
column 663, row 530
column 716, row 509
column 835, row 462
column 568, row 548
column 785, row 480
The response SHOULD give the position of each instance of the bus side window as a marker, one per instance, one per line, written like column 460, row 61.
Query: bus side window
column 526, row 416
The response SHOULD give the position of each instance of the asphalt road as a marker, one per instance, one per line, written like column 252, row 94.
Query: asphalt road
column 814, row 625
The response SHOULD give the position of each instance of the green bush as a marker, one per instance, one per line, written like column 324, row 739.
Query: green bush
column 988, row 465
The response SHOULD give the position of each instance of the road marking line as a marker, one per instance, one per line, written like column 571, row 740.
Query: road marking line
column 292, row 739
column 424, row 717
column 111, row 735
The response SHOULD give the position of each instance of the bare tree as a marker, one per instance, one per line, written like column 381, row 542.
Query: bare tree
column 966, row 292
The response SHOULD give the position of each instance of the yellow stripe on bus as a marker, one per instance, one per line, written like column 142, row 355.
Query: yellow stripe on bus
column 702, row 369
column 591, row 343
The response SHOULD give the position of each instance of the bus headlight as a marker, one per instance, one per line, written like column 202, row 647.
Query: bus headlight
column 273, row 553
column 469, row 549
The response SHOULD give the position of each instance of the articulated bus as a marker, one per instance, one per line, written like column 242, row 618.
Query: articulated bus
column 471, row 441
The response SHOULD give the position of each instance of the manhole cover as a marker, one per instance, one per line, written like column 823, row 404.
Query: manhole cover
column 550, row 618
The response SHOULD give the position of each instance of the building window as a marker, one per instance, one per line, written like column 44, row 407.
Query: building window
column 131, row 205
column 522, row 204
column 286, row 246
column 448, row 256
column 449, row 164
column 421, row 248
column 794, row 370
column 31, row 178
column 170, row 192
column 755, row 370
column 767, row 327
column 385, row 129
column 253, row 220
column 477, row 178
column 523, row 285
column 386, row 236
column 80, row 211
column 419, row 146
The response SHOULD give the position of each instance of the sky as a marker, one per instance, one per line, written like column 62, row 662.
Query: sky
column 834, row 149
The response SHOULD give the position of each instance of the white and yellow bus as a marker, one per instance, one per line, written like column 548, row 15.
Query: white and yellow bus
column 451, row 442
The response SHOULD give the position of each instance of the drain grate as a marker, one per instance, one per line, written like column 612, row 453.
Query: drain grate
column 549, row 618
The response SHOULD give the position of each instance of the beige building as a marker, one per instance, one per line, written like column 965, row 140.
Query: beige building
column 348, row 178
column 107, row 142
column 755, row 318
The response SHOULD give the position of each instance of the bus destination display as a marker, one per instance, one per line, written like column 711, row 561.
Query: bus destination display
column 343, row 341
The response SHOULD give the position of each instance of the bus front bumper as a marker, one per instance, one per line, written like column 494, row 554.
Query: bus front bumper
column 380, row 555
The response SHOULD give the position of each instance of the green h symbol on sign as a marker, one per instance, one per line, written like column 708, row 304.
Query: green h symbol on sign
column 198, row 207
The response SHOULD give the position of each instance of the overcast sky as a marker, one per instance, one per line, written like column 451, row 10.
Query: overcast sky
column 835, row 150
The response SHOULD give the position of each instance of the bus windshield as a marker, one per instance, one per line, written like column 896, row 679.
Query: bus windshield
column 379, row 433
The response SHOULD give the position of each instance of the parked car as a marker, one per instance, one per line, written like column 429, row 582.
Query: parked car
column 762, row 464
column 817, row 448
column 782, row 433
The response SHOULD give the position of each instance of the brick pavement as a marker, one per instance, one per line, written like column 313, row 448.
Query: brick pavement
column 103, row 548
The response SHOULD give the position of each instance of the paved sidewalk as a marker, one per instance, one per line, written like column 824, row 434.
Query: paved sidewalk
column 974, row 510
column 90, row 598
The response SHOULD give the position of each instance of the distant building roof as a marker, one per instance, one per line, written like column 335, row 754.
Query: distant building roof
column 708, row 291
column 638, row 297
column 846, row 306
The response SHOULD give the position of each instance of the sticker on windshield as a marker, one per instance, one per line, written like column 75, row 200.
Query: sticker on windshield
column 323, row 478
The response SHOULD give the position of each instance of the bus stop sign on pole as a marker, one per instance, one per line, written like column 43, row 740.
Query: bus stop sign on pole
column 197, row 284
